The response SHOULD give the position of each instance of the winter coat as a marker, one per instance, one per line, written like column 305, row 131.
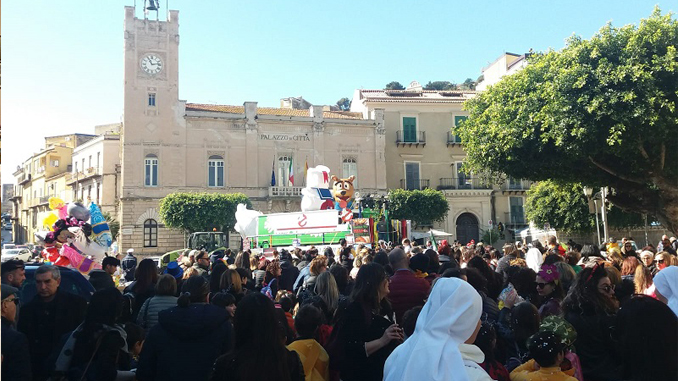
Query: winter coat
column 195, row 336
column 407, row 291
column 595, row 348
column 148, row 314
column 45, row 323
column 16, row 360
column 288, row 275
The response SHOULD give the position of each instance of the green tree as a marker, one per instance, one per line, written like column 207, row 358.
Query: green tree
column 394, row 86
column 440, row 85
column 420, row 206
column 194, row 212
column 468, row 84
column 601, row 112
column 565, row 207
column 344, row 104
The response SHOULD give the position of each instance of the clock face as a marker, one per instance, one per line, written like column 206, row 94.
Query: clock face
column 151, row 64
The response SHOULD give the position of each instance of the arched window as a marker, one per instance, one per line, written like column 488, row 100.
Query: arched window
column 151, row 171
column 150, row 233
column 215, row 171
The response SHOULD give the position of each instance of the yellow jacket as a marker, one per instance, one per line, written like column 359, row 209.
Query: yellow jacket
column 529, row 372
column 314, row 358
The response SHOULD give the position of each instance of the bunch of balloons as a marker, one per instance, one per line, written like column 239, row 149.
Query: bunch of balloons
column 78, row 236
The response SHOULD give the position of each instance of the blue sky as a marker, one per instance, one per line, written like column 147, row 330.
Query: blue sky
column 62, row 64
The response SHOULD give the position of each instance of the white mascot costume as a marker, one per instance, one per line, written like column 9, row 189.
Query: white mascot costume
column 316, row 178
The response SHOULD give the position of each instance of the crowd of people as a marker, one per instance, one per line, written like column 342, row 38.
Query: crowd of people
column 543, row 311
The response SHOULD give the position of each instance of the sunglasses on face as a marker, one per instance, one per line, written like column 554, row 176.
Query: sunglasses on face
column 607, row 288
column 659, row 261
column 540, row 284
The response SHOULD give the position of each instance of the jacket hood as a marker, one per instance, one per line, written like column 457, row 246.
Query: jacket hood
column 195, row 321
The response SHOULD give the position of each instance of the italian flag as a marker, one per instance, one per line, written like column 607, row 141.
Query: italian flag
column 291, row 173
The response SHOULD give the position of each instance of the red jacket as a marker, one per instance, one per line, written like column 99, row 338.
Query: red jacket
column 407, row 291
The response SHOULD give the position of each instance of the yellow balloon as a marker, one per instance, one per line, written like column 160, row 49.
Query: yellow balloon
column 56, row 203
column 49, row 221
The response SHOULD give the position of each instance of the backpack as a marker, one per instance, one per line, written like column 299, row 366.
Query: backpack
column 266, row 290
column 128, row 299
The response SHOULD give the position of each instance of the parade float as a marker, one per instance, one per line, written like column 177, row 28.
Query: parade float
column 326, row 217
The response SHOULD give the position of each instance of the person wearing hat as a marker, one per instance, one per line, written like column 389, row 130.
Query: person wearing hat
column 129, row 265
column 13, row 273
column 548, row 353
column 174, row 269
column 16, row 360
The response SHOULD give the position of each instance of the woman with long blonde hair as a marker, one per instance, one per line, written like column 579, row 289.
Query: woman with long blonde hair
column 642, row 279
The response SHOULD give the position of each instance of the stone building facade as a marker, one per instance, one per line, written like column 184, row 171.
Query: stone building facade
column 169, row 145
column 422, row 151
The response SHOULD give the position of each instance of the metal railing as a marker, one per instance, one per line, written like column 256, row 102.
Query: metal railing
column 516, row 185
column 452, row 138
column 463, row 183
column 418, row 137
column 44, row 200
column 412, row 184
column 514, row 220
column 280, row 191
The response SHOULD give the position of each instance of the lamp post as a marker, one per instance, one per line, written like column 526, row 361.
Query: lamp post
column 359, row 200
column 588, row 192
column 603, row 211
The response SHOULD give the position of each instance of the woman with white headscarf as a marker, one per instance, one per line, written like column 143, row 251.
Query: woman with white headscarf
column 440, row 348
column 666, row 287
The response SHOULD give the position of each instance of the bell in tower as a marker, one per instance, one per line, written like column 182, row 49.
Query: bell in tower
column 152, row 5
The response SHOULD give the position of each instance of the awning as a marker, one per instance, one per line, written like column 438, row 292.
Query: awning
column 436, row 233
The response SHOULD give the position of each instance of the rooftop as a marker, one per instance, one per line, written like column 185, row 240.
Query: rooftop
column 271, row 111
column 417, row 96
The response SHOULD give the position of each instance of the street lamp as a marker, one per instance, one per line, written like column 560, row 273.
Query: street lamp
column 359, row 200
column 602, row 195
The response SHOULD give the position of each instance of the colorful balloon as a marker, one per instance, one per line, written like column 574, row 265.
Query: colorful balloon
column 100, row 229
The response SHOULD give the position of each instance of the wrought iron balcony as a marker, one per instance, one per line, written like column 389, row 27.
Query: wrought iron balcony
column 412, row 184
column 463, row 183
column 415, row 138
column 452, row 139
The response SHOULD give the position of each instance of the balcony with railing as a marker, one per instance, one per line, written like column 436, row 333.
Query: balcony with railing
column 24, row 178
column 407, row 137
column 453, row 139
column 43, row 200
column 515, row 220
column 463, row 183
column 415, row 184
column 515, row 186
column 92, row 171
column 281, row 191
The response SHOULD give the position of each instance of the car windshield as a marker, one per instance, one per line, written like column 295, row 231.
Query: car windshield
column 13, row 251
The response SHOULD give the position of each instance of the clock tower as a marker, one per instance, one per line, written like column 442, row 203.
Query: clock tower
column 153, row 135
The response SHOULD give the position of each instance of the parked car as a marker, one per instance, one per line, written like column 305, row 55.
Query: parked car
column 8, row 246
column 22, row 254
column 71, row 281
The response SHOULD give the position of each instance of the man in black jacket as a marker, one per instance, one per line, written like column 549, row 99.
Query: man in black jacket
column 51, row 314
column 16, row 361
column 289, row 271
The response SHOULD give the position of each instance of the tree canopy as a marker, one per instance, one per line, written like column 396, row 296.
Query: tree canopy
column 395, row 85
column 601, row 112
column 440, row 85
column 420, row 206
column 565, row 207
column 194, row 212
column 344, row 104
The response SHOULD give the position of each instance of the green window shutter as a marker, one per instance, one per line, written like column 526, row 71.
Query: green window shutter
column 457, row 122
column 410, row 130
